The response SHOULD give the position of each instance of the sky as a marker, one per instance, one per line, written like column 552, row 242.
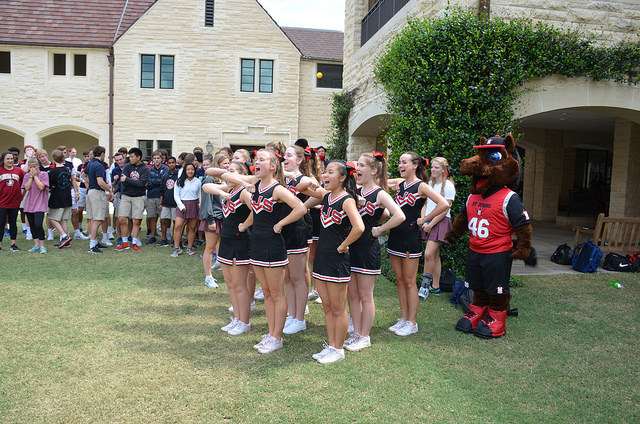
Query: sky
column 326, row 14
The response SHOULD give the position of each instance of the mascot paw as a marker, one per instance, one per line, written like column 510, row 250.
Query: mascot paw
column 451, row 237
column 522, row 254
column 532, row 260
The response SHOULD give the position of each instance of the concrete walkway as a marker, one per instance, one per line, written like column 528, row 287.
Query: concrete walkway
column 546, row 238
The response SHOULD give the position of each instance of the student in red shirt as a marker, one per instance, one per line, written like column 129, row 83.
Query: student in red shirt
column 10, row 197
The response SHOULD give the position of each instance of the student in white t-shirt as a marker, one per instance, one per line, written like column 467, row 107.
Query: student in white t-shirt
column 436, row 229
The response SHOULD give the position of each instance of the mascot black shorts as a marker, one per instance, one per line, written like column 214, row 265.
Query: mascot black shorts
column 489, row 272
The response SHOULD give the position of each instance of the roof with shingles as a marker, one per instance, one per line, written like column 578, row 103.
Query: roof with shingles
column 70, row 23
column 319, row 44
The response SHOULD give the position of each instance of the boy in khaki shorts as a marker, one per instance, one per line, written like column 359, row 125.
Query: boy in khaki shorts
column 134, row 179
column 60, row 185
column 157, row 172
column 98, row 196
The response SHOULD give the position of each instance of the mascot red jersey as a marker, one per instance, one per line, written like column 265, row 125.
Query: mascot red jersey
column 491, row 215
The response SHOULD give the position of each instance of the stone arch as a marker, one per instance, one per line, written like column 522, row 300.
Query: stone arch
column 10, row 137
column 366, row 127
column 70, row 136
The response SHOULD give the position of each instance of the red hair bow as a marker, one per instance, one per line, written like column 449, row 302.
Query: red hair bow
column 308, row 153
column 425, row 161
column 351, row 168
column 380, row 156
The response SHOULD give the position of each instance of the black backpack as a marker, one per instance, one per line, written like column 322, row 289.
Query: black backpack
column 619, row 263
column 447, row 280
column 563, row 255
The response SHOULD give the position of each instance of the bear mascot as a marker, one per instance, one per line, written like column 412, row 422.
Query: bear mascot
column 492, row 214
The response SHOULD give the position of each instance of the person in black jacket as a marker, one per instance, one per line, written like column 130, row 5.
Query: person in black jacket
column 134, row 180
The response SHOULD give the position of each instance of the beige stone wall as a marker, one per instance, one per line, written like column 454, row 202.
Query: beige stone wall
column 206, row 102
column 625, row 195
column 315, row 105
column 35, row 103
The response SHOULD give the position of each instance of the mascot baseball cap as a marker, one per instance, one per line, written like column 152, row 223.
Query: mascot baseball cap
column 493, row 142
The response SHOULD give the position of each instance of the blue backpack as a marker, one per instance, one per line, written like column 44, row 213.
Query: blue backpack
column 460, row 287
column 586, row 257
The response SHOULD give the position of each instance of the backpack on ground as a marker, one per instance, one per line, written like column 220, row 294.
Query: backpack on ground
column 634, row 260
column 563, row 255
column 460, row 287
column 586, row 257
column 447, row 280
column 615, row 262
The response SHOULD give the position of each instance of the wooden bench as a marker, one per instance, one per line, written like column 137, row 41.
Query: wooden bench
column 613, row 234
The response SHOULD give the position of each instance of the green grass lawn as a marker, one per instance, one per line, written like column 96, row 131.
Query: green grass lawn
column 134, row 337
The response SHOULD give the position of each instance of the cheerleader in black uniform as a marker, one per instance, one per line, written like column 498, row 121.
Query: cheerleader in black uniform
column 341, row 226
column 233, row 253
column 268, row 250
column 297, row 170
column 371, row 176
column 405, row 242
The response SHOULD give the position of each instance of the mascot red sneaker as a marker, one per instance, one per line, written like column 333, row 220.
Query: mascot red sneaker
column 492, row 214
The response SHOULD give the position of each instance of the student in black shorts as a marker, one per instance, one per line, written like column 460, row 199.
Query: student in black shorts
column 341, row 226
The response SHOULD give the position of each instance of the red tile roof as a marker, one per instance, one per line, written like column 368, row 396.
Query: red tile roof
column 317, row 43
column 71, row 23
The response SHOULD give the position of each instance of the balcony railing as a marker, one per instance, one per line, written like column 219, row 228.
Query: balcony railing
column 379, row 15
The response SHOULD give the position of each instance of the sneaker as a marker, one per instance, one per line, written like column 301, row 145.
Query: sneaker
column 397, row 325
column 79, row 236
column 35, row 249
column 29, row 235
column 350, row 328
column 325, row 350
column 118, row 241
column 162, row 243
column 306, row 309
column 14, row 248
column 427, row 279
column 197, row 243
column 136, row 248
column 352, row 339
column 210, row 282
column 66, row 241
column 287, row 322
column 122, row 246
column 95, row 249
column 232, row 324
column 191, row 251
column 271, row 345
column 258, row 295
column 49, row 237
column 334, row 355
column 105, row 242
column 295, row 327
column 435, row 292
column 176, row 251
column 262, row 342
column 252, row 307
column 312, row 294
column 110, row 235
column 43, row 250
column 152, row 240
column 361, row 343
column 240, row 328
column 407, row 328
column 423, row 292
column 101, row 246
column 318, row 300
column 216, row 265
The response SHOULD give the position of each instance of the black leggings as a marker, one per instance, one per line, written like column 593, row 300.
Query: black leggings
column 35, row 221
column 12, row 216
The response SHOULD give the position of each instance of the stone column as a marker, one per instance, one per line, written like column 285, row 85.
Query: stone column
column 625, row 174
column 34, row 140
column 548, row 177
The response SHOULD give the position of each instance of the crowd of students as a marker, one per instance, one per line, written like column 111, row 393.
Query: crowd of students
column 284, row 216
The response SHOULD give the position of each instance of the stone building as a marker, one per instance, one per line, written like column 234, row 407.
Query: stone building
column 578, row 136
column 170, row 74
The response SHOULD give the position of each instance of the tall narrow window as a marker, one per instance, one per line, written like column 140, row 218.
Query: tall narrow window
column 148, row 71
column 5, row 62
column 208, row 13
column 247, row 75
column 80, row 65
column 166, row 71
column 59, row 64
column 266, row 76
column 147, row 148
column 165, row 145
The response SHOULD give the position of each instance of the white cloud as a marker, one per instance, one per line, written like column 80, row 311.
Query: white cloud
column 327, row 14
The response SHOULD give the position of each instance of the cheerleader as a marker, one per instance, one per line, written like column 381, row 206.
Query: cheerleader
column 341, row 226
column 371, row 176
column 405, row 242
column 234, row 248
column 268, row 250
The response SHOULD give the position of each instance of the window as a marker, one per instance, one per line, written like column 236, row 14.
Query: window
column 166, row 71
column 165, row 145
column 148, row 74
column 331, row 76
column 147, row 148
column 379, row 14
column 247, row 75
column 208, row 13
column 5, row 62
column 80, row 65
column 59, row 64
column 266, row 76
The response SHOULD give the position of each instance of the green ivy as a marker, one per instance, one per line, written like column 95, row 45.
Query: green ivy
column 453, row 79
column 341, row 104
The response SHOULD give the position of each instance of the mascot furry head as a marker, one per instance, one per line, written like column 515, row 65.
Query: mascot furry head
column 492, row 214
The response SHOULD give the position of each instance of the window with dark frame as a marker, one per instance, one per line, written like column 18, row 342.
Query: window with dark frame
column 147, row 148
column 148, row 71
column 80, row 65
column 59, row 64
column 247, row 75
column 5, row 62
column 165, row 145
column 208, row 13
column 331, row 76
column 266, row 76
column 166, row 71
